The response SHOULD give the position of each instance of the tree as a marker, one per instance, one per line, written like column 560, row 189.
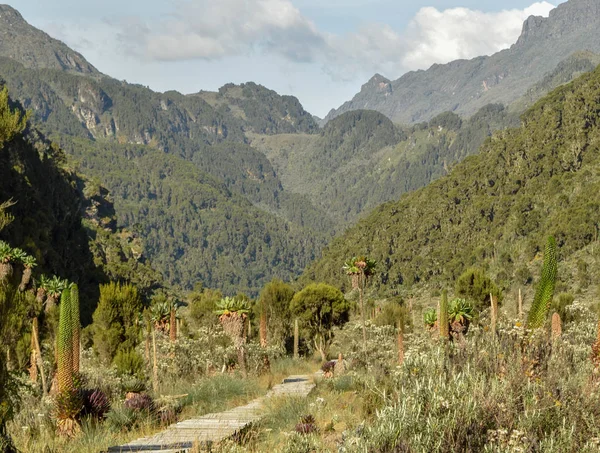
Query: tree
column 274, row 305
column 475, row 285
column 12, row 120
column 320, row 308
column 116, row 325
column 360, row 270
column 233, row 312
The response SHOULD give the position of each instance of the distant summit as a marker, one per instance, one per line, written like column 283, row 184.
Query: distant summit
column 34, row 48
column 464, row 86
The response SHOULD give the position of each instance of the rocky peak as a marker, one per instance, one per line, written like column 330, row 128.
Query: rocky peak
column 568, row 17
column 33, row 48
column 9, row 15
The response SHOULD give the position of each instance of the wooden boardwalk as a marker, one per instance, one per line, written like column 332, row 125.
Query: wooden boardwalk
column 212, row 428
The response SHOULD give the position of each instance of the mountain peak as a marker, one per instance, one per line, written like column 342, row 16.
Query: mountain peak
column 33, row 48
column 569, row 17
column 8, row 14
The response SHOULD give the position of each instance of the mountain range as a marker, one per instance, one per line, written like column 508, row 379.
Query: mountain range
column 464, row 86
column 235, row 187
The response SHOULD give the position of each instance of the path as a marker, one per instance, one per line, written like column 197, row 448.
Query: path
column 212, row 428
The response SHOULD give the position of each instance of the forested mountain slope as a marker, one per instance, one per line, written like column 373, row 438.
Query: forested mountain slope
column 496, row 208
column 217, row 211
column 464, row 86
column 361, row 159
column 65, row 221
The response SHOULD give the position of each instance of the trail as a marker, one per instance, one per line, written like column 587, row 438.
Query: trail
column 213, row 428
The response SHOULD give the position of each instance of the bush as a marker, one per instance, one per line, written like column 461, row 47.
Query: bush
column 476, row 286
column 129, row 363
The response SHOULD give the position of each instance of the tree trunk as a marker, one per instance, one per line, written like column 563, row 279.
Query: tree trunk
column 362, row 312
column 155, row 365
column 400, row 345
column 494, row 320
column 263, row 329
column 241, row 353
column 296, row 339
column 40, row 362
column 173, row 326
column 520, row 306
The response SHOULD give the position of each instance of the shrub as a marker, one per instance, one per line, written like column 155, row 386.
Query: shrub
column 129, row 363
column 476, row 286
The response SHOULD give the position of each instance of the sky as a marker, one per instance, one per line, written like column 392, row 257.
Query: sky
column 320, row 51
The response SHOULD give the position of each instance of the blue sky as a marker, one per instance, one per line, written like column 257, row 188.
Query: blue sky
column 321, row 51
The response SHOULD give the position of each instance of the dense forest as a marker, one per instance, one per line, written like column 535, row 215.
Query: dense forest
column 361, row 159
column 494, row 209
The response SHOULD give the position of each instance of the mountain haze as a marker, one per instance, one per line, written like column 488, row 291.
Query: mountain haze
column 464, row 86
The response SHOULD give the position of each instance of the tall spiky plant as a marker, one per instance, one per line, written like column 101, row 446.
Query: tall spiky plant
column 65, row 343
column 444, row 324
column 545, row 289
column 74, row 299
column 173, row 324
column 68, row 402
column 556, row 326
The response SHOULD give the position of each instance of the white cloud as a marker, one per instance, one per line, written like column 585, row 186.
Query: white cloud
column 435, row 36
column 208, row 29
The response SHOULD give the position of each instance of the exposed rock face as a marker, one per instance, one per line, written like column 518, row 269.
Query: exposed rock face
column 464, row 86
column 34, row 48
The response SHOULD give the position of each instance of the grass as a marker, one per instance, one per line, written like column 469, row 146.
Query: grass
column 516, row 392
column 33, row 429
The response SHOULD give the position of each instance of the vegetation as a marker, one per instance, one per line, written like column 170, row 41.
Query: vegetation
column 320, row 307
column 493, row 210
column 545, row 289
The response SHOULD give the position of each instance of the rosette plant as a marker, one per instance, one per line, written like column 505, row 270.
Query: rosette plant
column 360, row 269
column 29, row 263
column 233, row 313
column 6, row 260
column 460, row 313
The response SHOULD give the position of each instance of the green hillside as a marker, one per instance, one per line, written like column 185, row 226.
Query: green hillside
column 361, row 159
column 66, row 222
column 130, row 138
column 494, row 209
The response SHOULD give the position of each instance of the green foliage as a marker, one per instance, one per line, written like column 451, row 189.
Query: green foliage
column 320, row 307
column 12, row 120
column 444, row 324
column 476, row 286
column 275, row 300
column 561, row 304
column 65, row 345
column 430, row 317
column 545, row 289
column 116, row 323
column 525, row 184
column 129, row 363
column 392, row 314
column 201, row 306
column 460, row 310
column 229, row 305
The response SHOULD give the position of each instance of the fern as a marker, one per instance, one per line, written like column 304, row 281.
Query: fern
column 545, row 289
